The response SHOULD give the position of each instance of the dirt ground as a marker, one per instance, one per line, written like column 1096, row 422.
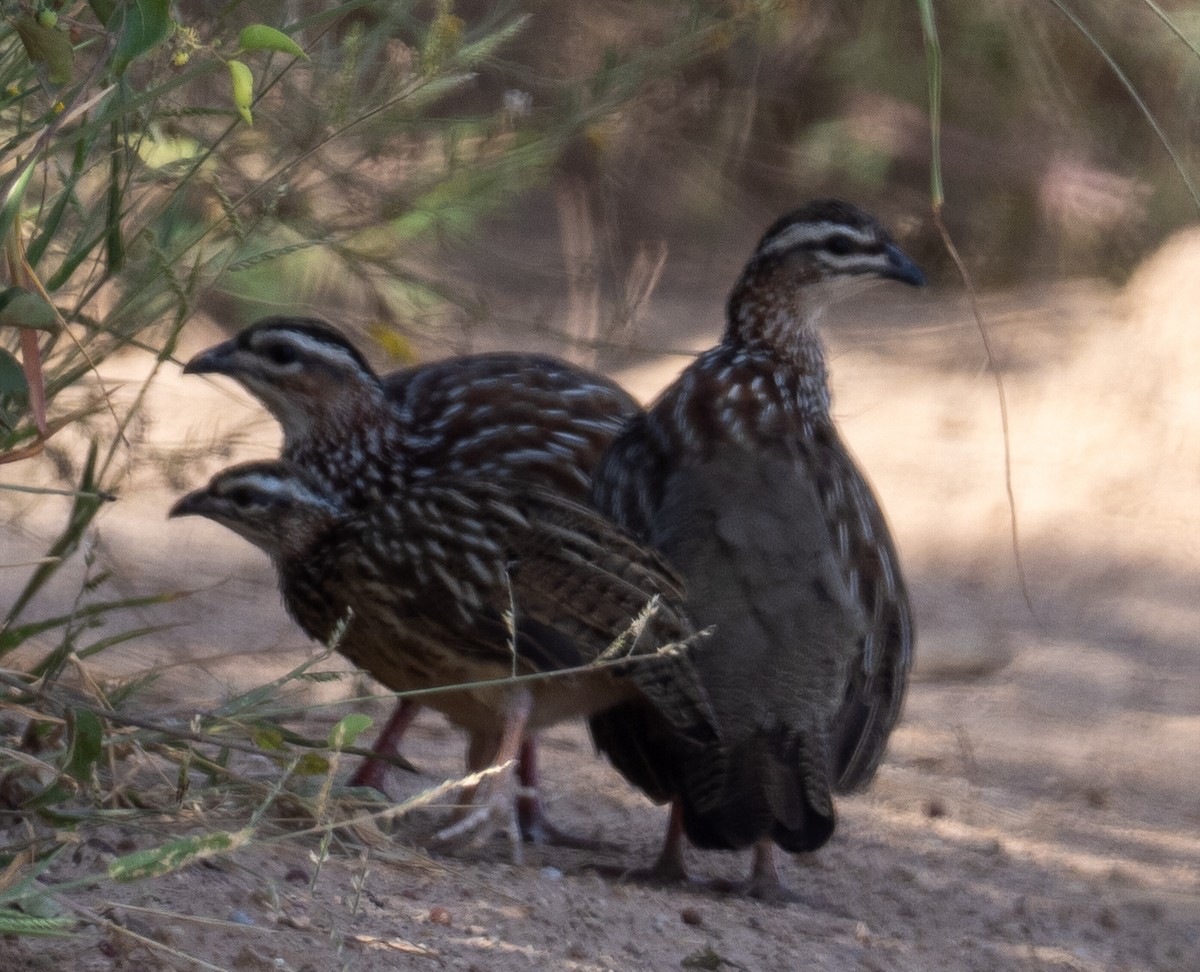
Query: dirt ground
column 1039, row 807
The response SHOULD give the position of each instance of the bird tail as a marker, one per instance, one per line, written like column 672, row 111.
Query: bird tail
column 774, row 784
column 652, row 739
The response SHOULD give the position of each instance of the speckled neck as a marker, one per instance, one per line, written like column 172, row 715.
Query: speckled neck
column 780, row 318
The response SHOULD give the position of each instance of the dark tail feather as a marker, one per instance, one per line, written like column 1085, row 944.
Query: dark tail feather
column 671, row 686
column 634, row 737
column 773, row 786
column 651, row 740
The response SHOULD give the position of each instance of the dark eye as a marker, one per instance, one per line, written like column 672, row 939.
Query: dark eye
column 840, row 245
column 281, row 354
column 242, row 496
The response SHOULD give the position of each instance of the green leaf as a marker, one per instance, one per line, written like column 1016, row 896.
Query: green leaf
column 12, row 378
column 12, row 202
column 175, row 854
column 85, row 743
column 243, row 89
column 472, row 53
column 704, row 958
column 40, row 904
column 55, row 794
column 442, row 41
column 21, row 308
column 13, row 922
column 268, row 737
column 47, row 45
column 348, row 729
column 260, row 37
column 103, row 9
column 27, row 886
column 147, row 23
column 122, row 637
column 312, row 764
column 16, row 634
column 48, row 227
column 80, row 251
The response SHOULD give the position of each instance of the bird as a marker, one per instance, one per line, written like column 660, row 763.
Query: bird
column 466, row 582
column 504, row 416
column 738, row 475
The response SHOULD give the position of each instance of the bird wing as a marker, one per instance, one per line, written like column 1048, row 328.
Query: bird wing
column 644, row 747
column 463, row 564
column 523, row 416
column 626, row 484
column 879, row 670
column 748, row 531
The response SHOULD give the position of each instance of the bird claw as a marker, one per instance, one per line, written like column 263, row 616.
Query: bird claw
column 667, row 871
column 764, row 883
column 478, row 821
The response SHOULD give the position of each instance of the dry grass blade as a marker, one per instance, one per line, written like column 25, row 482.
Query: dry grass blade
column 1002, row 404
column 120, row 931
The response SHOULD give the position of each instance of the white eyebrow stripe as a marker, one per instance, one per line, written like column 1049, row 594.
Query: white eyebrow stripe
column 265, row 482
column 311, row 346
column 276, row 485
column 801, row 234
column 864, row 262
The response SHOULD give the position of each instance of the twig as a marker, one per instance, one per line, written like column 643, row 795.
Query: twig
column 1002, row 401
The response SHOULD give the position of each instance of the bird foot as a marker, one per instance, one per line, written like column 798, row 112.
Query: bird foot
column 476, row 822
column 764, row 883
column 667, row 871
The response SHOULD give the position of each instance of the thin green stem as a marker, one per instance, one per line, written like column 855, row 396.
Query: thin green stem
column 933, row 67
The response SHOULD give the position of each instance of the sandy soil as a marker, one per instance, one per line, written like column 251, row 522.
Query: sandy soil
column 1040, row 804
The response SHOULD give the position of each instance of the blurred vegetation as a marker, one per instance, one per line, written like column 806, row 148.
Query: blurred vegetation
column 160, row 162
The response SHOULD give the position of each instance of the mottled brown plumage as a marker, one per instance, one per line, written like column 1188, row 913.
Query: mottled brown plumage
column 738, row 475
column 444, row 582
column 498, row 418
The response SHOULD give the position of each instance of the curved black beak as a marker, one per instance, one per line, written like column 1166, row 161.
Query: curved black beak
column 900, row 267
column 193, row 504
column 220, row 359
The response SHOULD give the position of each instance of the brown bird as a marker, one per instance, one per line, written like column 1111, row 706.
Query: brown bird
column 445, row 581
column 738, row 475
column 506, row 417
column 522, row 417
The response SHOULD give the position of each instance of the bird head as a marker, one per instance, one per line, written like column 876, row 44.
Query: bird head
column 832, row 239
column 278, row 506
column 301, row 369
column 809, row 258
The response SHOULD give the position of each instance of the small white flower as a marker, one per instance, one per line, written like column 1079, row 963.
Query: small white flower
column 518, row 104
